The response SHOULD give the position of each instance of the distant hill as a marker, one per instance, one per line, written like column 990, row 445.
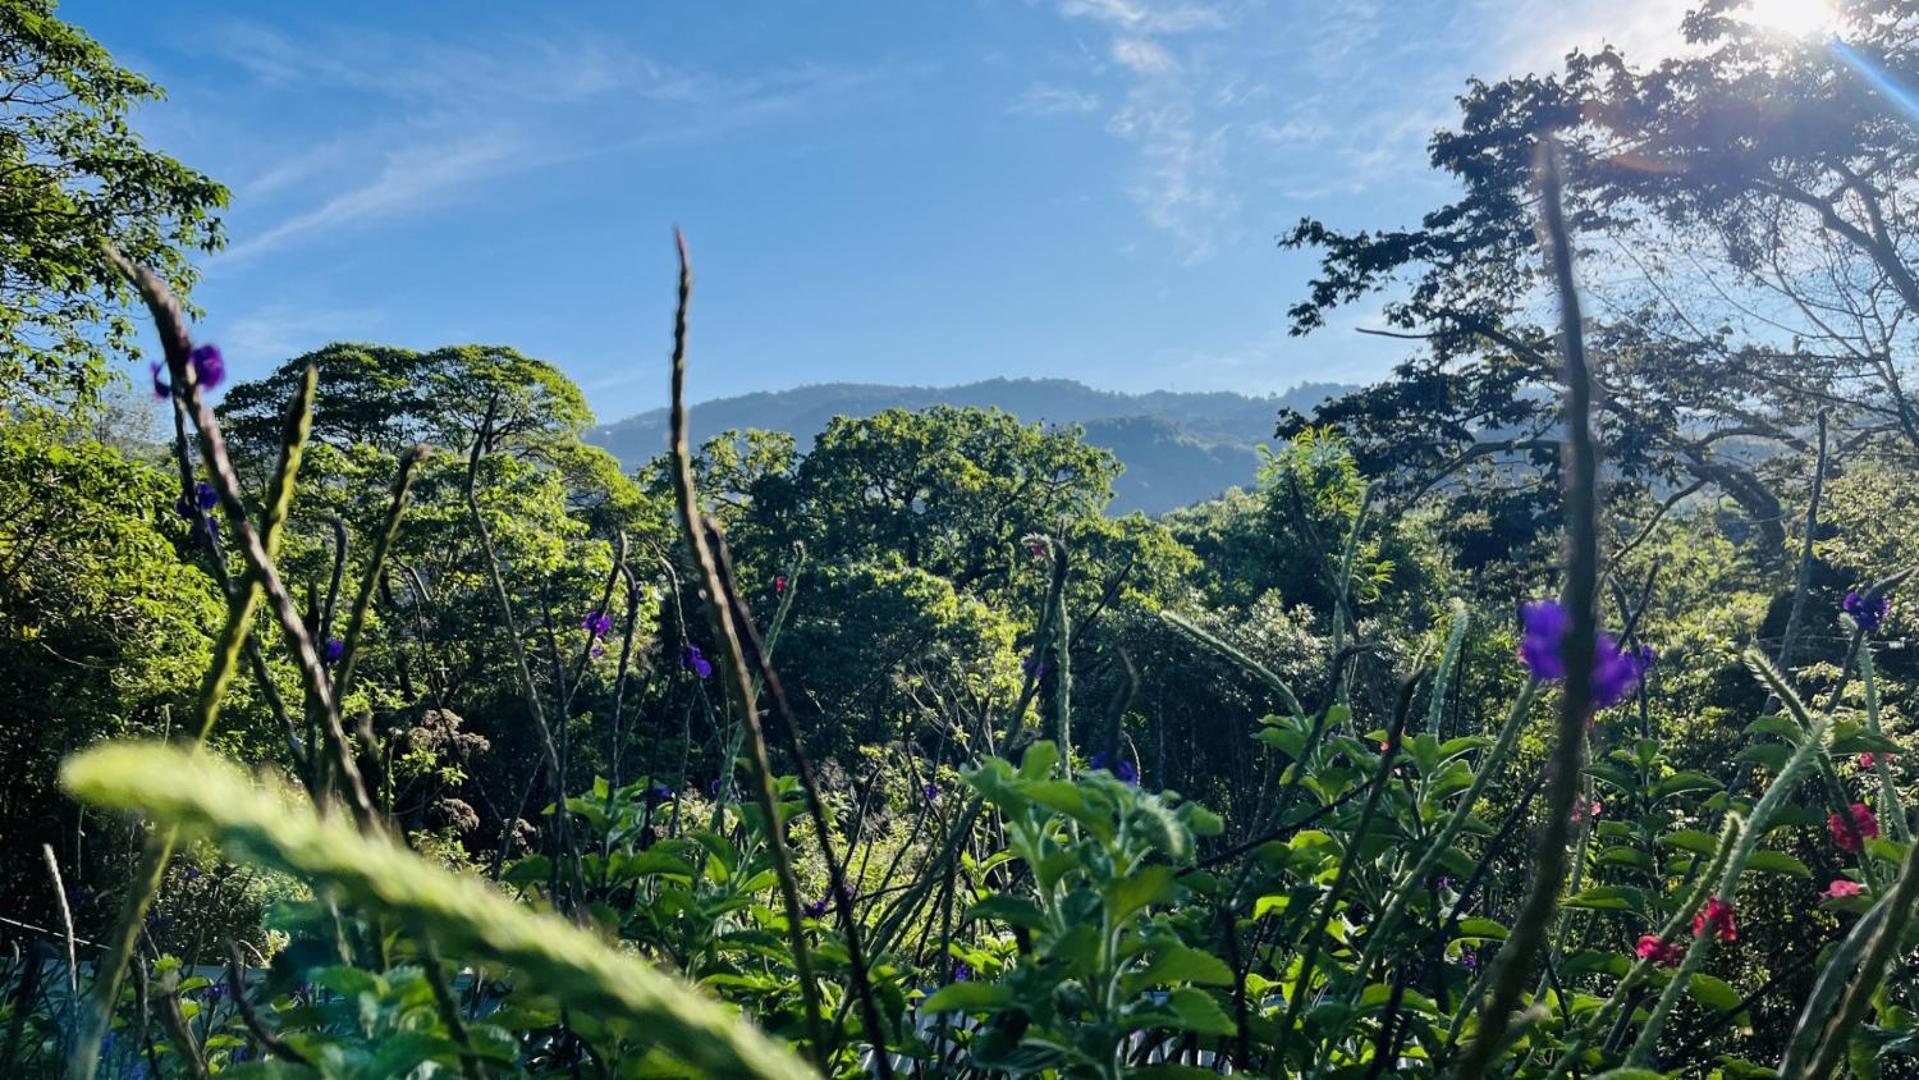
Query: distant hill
column 1178, row 448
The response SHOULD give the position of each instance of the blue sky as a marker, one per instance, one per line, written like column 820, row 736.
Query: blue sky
column 885, row 192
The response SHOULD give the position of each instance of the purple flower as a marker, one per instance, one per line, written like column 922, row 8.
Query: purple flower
column 161, row 390
column 1470, row 960
column 1616, row 672
column 713, row 788
column 204, row 498
column 596, row 651
column 1122, row 768
column 208, row 366
column 962, row 971
column 1867, row 609
column 816, row 908
column 696, row 662
column 596, row 623
column 657, row 794
column 196, row 506
column 331, row 651
column 931, row 791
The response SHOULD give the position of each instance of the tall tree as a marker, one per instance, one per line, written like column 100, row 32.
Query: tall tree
column 73, row 174
column 1745, row 214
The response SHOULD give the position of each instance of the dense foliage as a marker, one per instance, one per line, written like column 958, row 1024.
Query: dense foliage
column 903, row 754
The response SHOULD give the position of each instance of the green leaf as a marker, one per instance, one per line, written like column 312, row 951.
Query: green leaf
column 1199, row 1013
column 1625, row 856
column 1886, row 850
column 1699, row 843
column 1182, row 964
column 1777, row 862
column 1609, row 898
column 1481, row 929
column 1012, row 910
column 1778, row 725
column 1772, row 755
column 1713, row 992
column 1149, row 885
column 1038, row 761
column 1683, row 782
column 968, row 997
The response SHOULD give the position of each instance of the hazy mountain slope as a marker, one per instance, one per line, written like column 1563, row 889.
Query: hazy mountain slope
column 1178, row 448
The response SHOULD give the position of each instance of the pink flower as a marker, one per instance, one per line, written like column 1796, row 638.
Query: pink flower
column 1586, row 811
column 1660, row 951
column 779, row 585
column 1851, row 835
column 1842, row 888
column 1716, row 917
column 1868, row 759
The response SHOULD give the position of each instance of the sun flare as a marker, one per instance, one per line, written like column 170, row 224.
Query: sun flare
column 1797, row 18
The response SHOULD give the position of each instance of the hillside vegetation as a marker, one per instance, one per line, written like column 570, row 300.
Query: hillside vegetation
column 1176, row 448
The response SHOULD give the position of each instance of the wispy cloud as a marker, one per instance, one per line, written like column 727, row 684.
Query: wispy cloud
column 1143, row 57
column 1168, row 109
column 413, row 178
column 1149, row 18
column 270, row 332
column 1042, row 99
column 436, row 122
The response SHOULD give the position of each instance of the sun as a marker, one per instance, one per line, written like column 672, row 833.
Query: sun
column 1795, row 18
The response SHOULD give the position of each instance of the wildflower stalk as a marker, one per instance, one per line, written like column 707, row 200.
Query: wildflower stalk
column 1890, row 806
column 1316, row 930
column 1835, row 792
column 241, row 603
column 459, row 913
column 742, row 617
column 1489, row 767
column 893, row 922
column 1838, row 968
column 1888, row 941
column 375, row 565
column 177, row 345
column 1727, row 884
column 737, row 677
column 1803, row 589
column 1230, row 652
column 1448, row 663
column 529, row 691
column 1581, row 463
column 1342, row 591
column 1063, row 655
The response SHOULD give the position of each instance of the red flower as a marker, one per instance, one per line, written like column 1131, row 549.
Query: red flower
column 1866, row 759
column 1660, row 951
column 1842, row 888
column 1852, row 835
column 1716, row 917
column 779, row 585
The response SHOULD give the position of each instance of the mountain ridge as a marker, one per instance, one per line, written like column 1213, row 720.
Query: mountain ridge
column 1178, row 447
